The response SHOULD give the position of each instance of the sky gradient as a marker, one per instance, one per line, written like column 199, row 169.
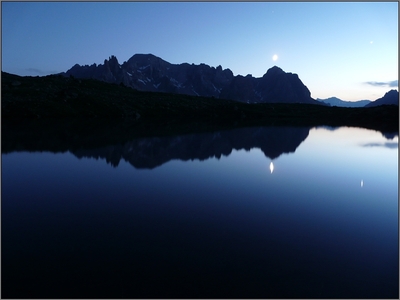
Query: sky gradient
column 346, row 50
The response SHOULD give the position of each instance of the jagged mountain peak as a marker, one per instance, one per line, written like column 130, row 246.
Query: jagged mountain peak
column 112, row 61
column 113, row 58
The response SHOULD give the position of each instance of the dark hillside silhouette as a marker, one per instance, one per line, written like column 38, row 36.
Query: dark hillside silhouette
column 390, row 98
column 147, row 72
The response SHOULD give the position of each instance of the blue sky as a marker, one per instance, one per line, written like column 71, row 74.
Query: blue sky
column 347, row 50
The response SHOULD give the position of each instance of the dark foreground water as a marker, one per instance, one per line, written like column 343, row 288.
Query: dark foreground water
column 251, row 213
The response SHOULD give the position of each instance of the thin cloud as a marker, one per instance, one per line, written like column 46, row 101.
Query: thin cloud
column 36, row 71
column 390, row 145
column 393, row 83
column 40, row 72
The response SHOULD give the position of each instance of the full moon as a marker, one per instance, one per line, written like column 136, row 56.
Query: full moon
column 275, row 57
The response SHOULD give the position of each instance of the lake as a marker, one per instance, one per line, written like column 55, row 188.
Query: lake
column 266, row 212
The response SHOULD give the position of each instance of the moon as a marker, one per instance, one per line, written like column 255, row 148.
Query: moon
column 275, row 57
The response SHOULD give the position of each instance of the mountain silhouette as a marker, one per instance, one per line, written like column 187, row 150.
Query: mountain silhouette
column 390, row 98
column 149, row 153
column 333, row 101
column 147, row 72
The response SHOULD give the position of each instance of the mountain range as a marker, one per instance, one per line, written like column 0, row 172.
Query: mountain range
column 147, row 72
column 390, row 98
column 333, row 101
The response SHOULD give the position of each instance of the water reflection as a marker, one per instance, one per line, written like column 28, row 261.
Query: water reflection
column 205, row 229
column 271, row 167
column 152, row 152
column 149, row 153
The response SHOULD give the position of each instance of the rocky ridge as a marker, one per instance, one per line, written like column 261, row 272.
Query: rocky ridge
column 147, row 72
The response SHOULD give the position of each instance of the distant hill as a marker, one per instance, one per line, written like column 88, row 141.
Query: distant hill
column 391, row 97
column 333, row 101
column 147, row 72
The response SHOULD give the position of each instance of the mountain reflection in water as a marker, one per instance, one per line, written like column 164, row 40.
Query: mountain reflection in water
column 153, row 152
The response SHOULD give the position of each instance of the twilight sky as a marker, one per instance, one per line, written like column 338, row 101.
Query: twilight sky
column 347, row 50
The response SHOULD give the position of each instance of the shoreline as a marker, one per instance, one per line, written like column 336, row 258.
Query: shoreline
column 73, row 133
column 68, row 109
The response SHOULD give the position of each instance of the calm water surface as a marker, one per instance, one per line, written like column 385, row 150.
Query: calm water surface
column 251, row 213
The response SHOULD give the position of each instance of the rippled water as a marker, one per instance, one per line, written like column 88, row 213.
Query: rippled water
column 249, row 213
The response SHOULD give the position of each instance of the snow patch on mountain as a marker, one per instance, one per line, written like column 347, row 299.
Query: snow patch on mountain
column 175, row 82
column 144, row 68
